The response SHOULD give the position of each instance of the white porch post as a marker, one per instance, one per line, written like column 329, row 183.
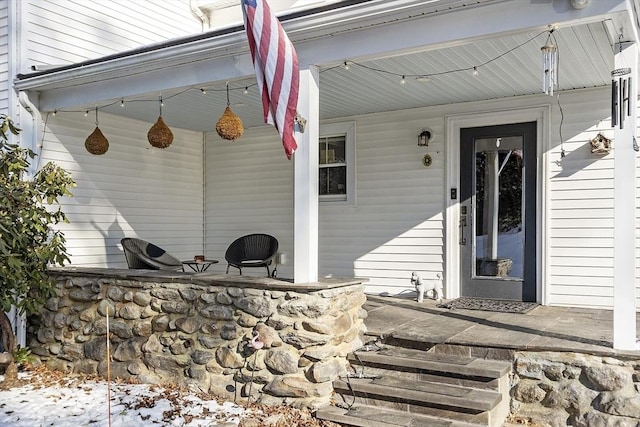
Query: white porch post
column 624, row 292
column 305, row 204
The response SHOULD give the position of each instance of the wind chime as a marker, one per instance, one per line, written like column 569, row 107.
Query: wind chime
column 621, row 93
column 549, row 65
column 620, row 96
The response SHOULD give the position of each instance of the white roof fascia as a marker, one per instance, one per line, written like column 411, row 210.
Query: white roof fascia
column 324, row 38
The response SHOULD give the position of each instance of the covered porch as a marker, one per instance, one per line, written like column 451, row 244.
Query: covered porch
column 401, row 67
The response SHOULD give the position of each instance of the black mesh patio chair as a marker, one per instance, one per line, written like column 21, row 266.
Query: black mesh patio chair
column 143, row 255
column 252, row 250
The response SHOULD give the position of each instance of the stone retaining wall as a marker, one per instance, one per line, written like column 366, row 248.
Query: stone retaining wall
column 180, row 331
column 560, row 389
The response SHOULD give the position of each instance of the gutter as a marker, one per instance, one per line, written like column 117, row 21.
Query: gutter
column 303, row 26
column 194, row 40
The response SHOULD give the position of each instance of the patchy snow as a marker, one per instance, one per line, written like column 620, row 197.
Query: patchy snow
column 51, row 398
column 72, row 402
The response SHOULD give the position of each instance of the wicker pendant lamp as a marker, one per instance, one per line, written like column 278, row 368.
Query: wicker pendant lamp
column 160, row 136
column 96, row 143
column 229, row 125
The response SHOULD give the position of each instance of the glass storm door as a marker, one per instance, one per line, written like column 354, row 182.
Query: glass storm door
column 498, row 212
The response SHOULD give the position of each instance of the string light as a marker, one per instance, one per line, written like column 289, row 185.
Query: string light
column 474, row 70
column 426, row 77
column 86, row 113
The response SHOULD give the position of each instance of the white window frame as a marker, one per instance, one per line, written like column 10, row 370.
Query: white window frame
column 348, row 130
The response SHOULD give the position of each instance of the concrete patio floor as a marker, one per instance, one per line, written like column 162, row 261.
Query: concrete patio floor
column 492, row 334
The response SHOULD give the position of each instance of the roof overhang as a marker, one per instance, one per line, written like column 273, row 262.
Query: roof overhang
column 355, row 30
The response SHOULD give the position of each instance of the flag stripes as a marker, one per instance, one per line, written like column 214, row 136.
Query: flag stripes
column 276, row 66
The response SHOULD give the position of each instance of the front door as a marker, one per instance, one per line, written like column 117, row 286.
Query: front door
column 498, row 212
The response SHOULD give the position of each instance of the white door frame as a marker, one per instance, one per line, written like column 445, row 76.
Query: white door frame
column 540, row 114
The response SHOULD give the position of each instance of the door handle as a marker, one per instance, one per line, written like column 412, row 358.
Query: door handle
column 463, row 224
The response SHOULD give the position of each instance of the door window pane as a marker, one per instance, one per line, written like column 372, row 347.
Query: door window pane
column 499, row 229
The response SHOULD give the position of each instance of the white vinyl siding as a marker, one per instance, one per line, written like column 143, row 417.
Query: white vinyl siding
column 68, row 31
column 397, row 225
column 580, row 221
column 4, row 57
column 134, row 190
column 249, row 188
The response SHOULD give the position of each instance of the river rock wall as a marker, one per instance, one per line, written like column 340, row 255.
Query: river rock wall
column 561, row 389
column 200, row 334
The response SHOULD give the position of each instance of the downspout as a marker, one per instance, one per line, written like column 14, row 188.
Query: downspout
column 14, row 57
column 31, row 128
column 198, row 13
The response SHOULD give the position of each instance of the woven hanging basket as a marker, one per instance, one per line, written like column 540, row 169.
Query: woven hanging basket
column 96, row 143
column 160, row 135
column 229, row 125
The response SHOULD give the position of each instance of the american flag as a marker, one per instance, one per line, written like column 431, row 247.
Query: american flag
column 276, row 64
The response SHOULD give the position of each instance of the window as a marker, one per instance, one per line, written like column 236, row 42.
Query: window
column 337, row 163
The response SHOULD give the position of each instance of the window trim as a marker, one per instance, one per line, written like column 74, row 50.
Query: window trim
column 348, row 130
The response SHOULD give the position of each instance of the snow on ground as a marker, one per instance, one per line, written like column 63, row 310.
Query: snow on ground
column 67, row 402
column 51, row 398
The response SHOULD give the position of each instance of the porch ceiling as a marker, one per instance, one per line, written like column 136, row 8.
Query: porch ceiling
column 507, row 66
column 404, row 37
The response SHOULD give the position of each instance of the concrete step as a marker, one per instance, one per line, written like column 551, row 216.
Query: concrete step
column 394, row 385
column 421, row 393
column 422, row 365
column 375, row 416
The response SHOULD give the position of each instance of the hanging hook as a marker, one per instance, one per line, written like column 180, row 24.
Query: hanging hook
column 96, row 116
column 161, row 105
column 228, row 103
column 620, row 41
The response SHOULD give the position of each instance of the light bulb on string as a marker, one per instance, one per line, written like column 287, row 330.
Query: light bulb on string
column 475, row 72
column 204, row 91
column 122, row 103
column 86, row 113
column 346, row 66
column 403, row 81
column 54, row 112
column 246, row 90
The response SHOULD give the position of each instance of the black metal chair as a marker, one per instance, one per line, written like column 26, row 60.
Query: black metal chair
column 252, row 250
column 143, row 255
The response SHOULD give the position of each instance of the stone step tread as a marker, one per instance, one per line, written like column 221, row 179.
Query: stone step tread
column 375, row 416
column 423, row 392
column 370, row 370
column 410, row 358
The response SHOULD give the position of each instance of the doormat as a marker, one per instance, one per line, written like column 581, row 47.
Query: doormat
column 502, row 306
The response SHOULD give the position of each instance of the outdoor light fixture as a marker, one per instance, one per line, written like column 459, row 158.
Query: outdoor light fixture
column 424, row 138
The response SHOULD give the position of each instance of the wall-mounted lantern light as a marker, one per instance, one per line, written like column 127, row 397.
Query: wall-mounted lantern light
column 424, row 138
